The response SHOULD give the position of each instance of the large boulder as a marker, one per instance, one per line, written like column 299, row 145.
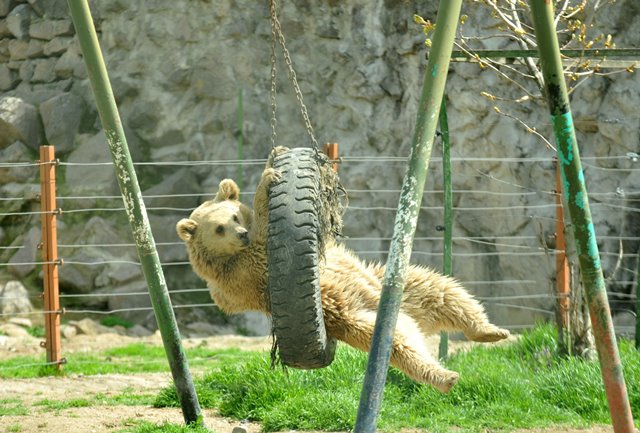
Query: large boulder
column 173, row 191
column 22, row 195
column 61, row 117
column 70, row 64
column 170, row 248
column 52, row 9
column 86, row 264
column 19, row 121
column 57, row 46
column 99, row 179
column 5, row 7
column 18, row 21
column 89, row 327
column 135, row 298
column 116, row 274
column 17, row 153
column 49, row 29
column 23, row 262
column 253, row 323
column 43, row 72
column 14, row 299
column 8, row 78
column 77, row 275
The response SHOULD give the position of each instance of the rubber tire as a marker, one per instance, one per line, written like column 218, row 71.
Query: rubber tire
column 293, row 257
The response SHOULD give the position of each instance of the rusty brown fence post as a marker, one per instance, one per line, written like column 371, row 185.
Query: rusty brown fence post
column 563, row 283
column 331, row 150
column 49, row 249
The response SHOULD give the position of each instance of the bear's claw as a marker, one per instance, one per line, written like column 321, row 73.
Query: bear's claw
column 270, row 175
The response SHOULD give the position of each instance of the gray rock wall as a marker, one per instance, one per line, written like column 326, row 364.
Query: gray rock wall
column 178, row 68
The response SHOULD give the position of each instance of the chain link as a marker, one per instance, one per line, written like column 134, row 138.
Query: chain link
column 274, row 119
column 276, row 34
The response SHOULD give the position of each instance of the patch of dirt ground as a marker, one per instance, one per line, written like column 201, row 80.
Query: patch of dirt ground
column 109, row 419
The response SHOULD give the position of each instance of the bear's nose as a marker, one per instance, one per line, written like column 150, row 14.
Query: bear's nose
column 244, row 236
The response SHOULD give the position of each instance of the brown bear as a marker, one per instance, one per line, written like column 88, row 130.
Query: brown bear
column 226, row 242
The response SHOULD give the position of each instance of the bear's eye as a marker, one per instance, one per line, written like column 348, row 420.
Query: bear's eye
column 235, row 219
column 220, row 230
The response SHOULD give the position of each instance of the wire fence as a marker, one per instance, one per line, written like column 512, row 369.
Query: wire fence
column 516, row 296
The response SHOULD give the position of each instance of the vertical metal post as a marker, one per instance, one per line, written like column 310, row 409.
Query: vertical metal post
column 135, row 209
column 563, row 286
column 575, row 194
column 638, row 303
column 447, row 262
column 240, row 120
column 331, row 150
column 49, row 249
column 407, row 215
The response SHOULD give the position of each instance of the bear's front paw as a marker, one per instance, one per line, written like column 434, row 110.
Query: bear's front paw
column 279, row 150
column 276, row 151
column 270, row 175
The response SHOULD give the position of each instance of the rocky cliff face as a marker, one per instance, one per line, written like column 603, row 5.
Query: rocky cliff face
column 180, row 69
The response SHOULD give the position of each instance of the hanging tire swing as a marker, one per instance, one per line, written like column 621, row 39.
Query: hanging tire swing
column 305, row 212
column 294, row 251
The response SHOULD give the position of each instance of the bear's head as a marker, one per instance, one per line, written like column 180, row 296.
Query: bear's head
column 219, row 227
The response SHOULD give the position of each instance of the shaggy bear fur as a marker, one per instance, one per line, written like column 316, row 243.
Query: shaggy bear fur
column 226, row 242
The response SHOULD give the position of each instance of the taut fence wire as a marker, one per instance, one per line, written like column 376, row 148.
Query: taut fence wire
column 530, row 299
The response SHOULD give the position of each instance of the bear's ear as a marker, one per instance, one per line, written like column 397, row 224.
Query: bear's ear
column 186, row 228
column 228, row 190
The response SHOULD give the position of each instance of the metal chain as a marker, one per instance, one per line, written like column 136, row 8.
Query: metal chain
column 276, row 32
column 274, row 119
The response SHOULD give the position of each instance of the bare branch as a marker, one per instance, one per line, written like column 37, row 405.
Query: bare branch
column 529, row 129
column 561, row 11
column 490, row 64
column 533, row 68
column 618, row 262
column 517, row 29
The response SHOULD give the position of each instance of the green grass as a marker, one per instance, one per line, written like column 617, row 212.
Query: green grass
column 12, row 407
column 58, row 405
column 113, row 320
column 134, row 358
column 147, row 427
column 36, row 331
column 522, row 385
column 14, row 428
column 128, row 397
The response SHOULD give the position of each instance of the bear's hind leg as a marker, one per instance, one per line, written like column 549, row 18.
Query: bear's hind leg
column 487, row 334
column 437, row 302
column 408, row 352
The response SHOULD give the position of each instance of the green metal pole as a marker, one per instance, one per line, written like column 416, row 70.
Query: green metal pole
column 240, row 120
column 598, row 53
column 407, row 215
column 135, row 209
column 443, row 348
column 638, row 303
column 575, row 193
